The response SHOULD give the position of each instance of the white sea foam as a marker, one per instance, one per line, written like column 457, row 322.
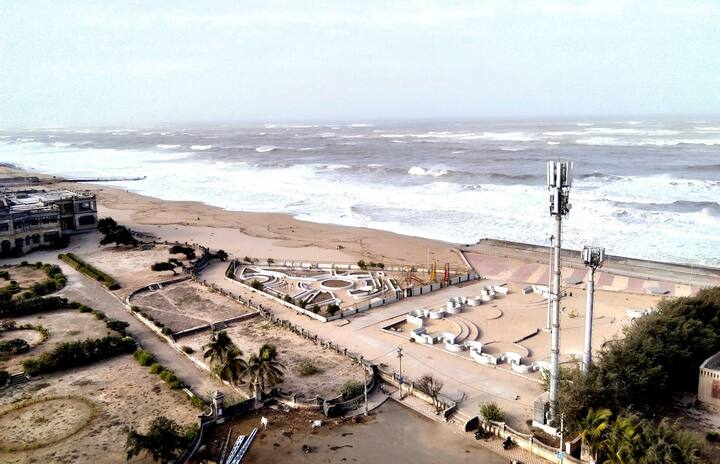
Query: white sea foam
column 418, row 171
column 200, row 147
column 511, row 149
column 614, row 141
column 584, row 124
column 167, row 145
column 61, row 144
column 265, row 148
column 416, row 201
column 550, row 142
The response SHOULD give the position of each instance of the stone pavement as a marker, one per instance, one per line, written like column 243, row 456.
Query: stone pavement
column 512, row 270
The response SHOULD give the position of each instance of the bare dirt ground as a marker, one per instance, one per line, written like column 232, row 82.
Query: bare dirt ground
column 333, row 369
column 188, row 304
column 130, row 266
column 64, row 326
column 392, row 433
column 25, row 276
column 124, row 394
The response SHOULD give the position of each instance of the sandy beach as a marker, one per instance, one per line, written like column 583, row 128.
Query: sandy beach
column 259, row 235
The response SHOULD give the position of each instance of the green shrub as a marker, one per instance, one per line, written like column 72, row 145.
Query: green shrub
column 288, row 299
column 155, row 368
column 307, row 367
column 14, row 346
column 32, row 305
column 352, row 389
column 99, row 315
column 492, row 412
column 361, row 264
column 256, row 284
column 134, row 308
column 4, row 376
column 189, row 252
column 332, row 308
column 4, row 275
column 197, row 402
column 85, row 309
column 167, row 331
column 171, row 379
column 712, row 437
column 78, row 353
column 187, row 349
column 117, row 326
column 144, row 358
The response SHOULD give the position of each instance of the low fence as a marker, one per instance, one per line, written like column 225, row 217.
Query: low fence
column 530, row 443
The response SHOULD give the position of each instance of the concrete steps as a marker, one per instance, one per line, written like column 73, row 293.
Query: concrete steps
column 18, row 379
column 474, row 330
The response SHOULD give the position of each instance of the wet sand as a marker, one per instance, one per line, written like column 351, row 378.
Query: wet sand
column 393, row 434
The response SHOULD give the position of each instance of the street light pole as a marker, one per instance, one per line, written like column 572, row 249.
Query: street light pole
column 559, row 180
column 400, row 356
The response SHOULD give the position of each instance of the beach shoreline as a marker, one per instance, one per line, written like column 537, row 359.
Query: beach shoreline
column 261, row 235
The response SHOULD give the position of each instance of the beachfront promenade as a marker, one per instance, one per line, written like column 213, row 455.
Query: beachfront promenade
column 465, row 382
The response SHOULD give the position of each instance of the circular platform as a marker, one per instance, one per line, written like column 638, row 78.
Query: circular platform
column 335, row 284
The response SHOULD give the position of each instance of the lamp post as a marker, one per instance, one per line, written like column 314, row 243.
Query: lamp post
column 593, row 258
column 559, row 180
column 400, row 356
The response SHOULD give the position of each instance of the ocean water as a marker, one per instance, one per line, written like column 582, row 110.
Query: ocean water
column 648, row 189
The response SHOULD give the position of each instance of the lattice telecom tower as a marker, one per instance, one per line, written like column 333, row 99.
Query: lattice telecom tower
column 559, row 180
column 593, row 258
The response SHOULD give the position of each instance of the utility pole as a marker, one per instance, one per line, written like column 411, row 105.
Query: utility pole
column 559, row 180
column 400, row 356
column 548, row 322
column 593, row 258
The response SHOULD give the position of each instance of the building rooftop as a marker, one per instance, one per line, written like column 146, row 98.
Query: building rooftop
column 27, row 200
column 712, row 363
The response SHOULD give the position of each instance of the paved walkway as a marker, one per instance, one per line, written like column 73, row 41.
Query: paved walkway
column 505, row 269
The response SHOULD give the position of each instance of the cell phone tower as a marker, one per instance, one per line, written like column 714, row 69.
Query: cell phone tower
column 559, row 181
column 593, row 258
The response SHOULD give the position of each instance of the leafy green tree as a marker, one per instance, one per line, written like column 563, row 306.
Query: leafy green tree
column 492, row 412
column 106, row 225
column 165, row 441
column 163, row 266
column 119, row 236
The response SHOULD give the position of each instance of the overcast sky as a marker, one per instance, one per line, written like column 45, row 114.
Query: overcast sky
column 133, row 62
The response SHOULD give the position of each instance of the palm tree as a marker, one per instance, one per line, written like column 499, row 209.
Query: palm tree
column 218, row 347
column 620, row 441
column 593, row 427
column 263, row 369
column 233, row 368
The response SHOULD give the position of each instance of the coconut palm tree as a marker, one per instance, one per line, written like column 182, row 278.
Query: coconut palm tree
column 263, row 369
column 620, row 441
column 218, row 347
column 233, row 368
column 593, row 430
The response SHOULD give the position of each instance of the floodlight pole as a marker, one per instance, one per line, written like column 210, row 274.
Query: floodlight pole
column 593, row 258
column 559, row 180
